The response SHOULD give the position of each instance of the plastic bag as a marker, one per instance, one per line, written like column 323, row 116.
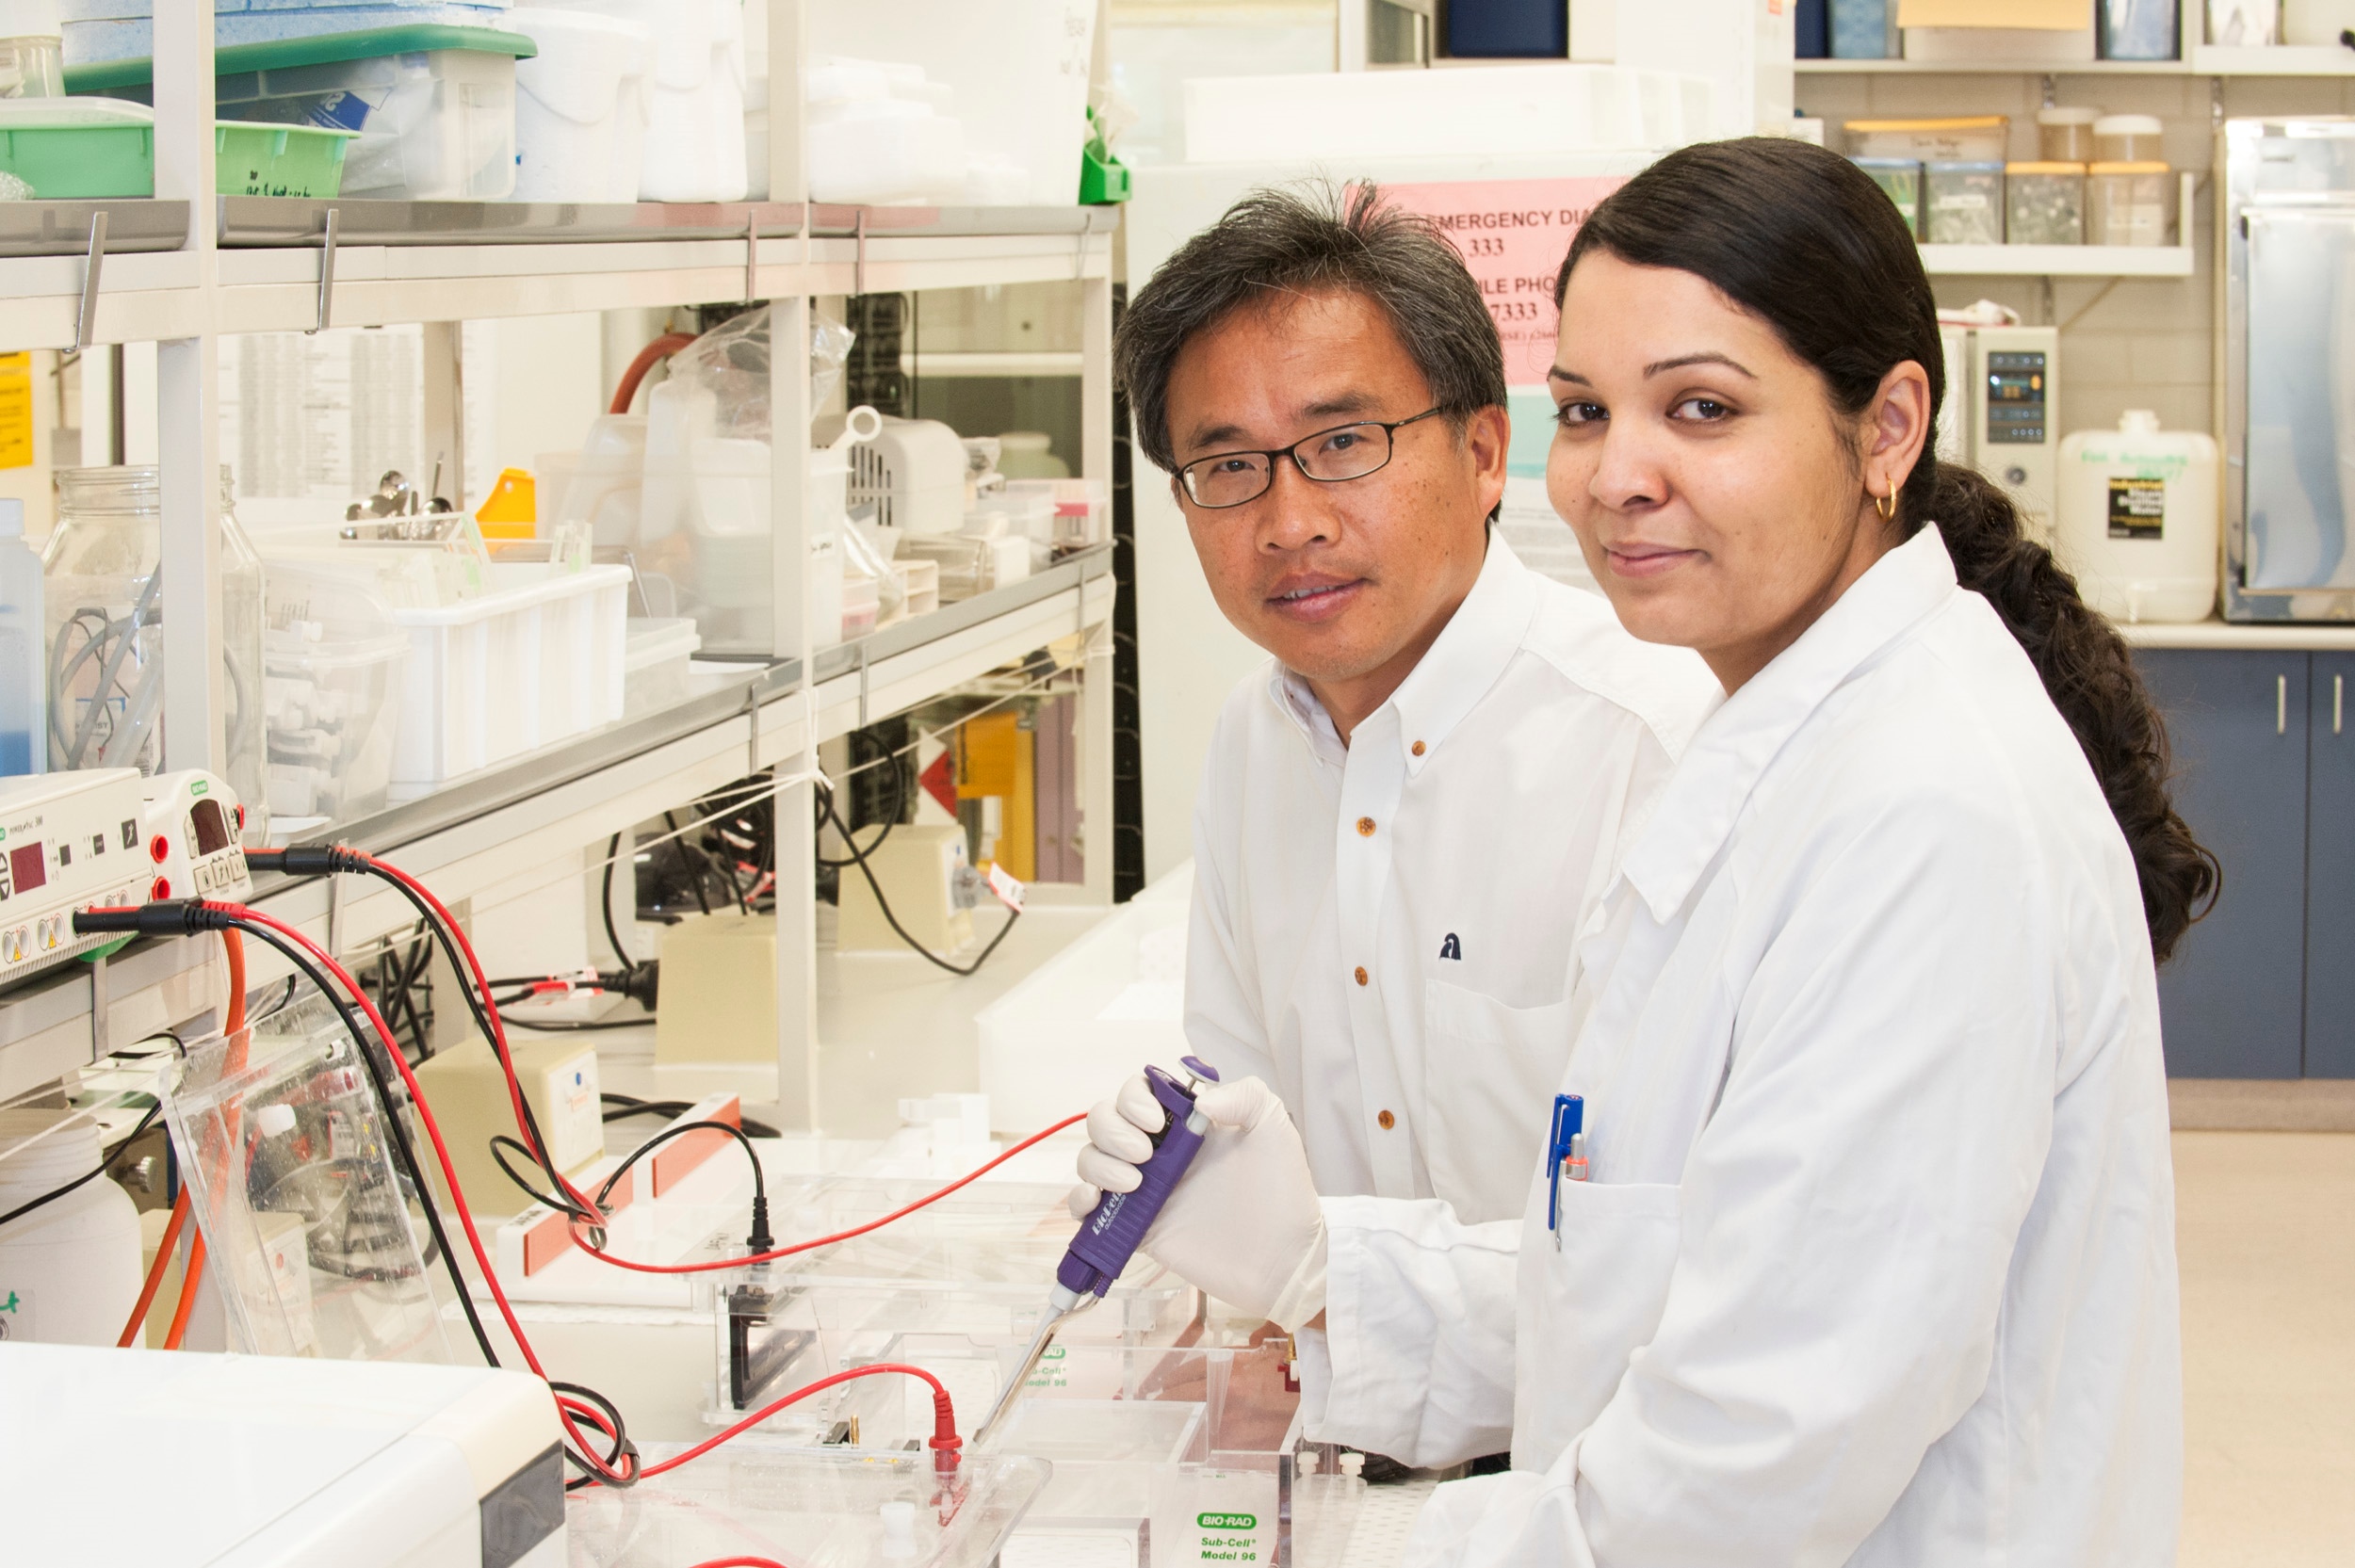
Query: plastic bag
column 731, row 363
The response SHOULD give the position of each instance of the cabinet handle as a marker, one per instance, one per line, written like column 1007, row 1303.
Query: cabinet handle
column 2281, row 704
column 2338, row 702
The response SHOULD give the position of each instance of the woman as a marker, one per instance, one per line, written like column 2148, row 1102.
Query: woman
column 1876, row 1262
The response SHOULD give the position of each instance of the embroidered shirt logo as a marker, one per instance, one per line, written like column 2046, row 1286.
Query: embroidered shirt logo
column 1451, row 948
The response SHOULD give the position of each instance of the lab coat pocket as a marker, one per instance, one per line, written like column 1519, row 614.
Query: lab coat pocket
column 1490, row 1072
column 1587, row 1307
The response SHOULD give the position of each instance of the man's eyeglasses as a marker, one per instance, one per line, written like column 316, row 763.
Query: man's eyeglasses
column 1328, row 457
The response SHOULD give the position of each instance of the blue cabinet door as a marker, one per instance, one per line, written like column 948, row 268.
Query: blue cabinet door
column 2232, row 1001
column 2330, row 869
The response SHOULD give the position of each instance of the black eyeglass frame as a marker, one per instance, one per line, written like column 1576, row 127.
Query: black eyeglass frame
column 1390, row 430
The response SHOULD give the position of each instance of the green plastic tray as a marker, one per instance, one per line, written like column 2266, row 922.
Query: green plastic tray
column 63, row 162
column 278, row 160
column 319, row 49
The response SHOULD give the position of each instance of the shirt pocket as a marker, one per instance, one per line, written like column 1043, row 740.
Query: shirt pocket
column 1490, row 1073
column 1586, row 1305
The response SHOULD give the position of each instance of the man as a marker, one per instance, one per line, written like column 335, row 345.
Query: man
column 1406, row 818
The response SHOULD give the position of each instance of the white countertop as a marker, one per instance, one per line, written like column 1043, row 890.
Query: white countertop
column 2313, row 635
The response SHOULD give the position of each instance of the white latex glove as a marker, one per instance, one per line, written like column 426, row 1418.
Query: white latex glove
column 1244, row 1223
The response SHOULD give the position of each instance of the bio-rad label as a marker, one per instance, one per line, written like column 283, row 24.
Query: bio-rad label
column 1218, row 1516
column 2138, row 507
column 16, row 1313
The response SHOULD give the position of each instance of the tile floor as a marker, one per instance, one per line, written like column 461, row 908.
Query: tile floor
column 2266, row 1234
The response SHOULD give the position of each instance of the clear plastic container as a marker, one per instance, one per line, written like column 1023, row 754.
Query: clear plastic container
column 24, row 705
column 104, row 618
column 2045, row 203
column 70, row 1269
column 2127, row 138
column 331, row 658
column 32, row 54
column 1969, row 139
column 580, row 114
column 307, row 1218
column 2065, row 135
column 2129, row 203
column 1962, row 203
column 1901, row 178
column 654, row 671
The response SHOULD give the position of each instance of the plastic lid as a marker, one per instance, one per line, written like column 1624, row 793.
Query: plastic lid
column 2139, row 421
column 1023, row 441
column 29, row 19
column 27, row 114
column 2126, row 168
column 2128, row 125
column 1972, row 122
column 67, row 1146
column 2044, row 168
column 322, row 49
column 1963, row 166
column 1915, row 164
column 2068, row 117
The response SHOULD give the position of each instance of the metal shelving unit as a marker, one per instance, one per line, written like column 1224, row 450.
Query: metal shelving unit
column 189, row 268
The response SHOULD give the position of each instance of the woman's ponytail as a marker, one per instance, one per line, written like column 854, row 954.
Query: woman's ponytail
column 1804, row 240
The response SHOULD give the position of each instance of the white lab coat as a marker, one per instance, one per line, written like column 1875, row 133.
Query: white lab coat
column 1446, row 855
column 1876, row 1263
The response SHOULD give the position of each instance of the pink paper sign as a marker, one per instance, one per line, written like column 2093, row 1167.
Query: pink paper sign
column 1513, row 235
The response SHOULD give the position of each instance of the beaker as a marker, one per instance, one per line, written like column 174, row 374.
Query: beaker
column 105, row 629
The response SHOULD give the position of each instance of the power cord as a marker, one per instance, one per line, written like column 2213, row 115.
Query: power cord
column 105, row 1167
column 858, row 858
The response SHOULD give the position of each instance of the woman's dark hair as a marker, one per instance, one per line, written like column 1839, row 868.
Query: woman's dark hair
column 1803, row 240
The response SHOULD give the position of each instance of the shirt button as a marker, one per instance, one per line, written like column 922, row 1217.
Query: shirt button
column 1417, row 748
column 1385, row 1121
column 1365, row 827
column 1361, row 974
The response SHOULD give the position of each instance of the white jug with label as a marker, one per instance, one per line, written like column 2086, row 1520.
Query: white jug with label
column 2138, row 519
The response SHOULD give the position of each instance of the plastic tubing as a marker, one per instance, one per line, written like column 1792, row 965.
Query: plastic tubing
column 626, row 390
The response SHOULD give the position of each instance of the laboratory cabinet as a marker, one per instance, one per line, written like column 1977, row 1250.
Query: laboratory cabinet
column 2264, row 742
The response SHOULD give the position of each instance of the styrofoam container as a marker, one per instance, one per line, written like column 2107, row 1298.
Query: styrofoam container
column 534, row 659
column 580, row 105
column 654, row 670
column 1352, row 115
column 331, row 659
column 694, row 148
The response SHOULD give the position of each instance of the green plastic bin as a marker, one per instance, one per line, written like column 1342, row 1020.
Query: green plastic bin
column 66, row 150
column 251, row 159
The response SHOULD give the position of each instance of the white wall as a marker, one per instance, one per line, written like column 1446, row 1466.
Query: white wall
column 549, row 374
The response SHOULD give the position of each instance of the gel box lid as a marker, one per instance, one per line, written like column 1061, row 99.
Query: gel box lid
column 321, row 49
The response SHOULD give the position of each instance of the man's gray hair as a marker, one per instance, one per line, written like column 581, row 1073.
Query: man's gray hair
column 1311, row 240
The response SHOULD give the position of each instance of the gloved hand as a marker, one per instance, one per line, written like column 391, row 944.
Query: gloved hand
column 1244, row 1223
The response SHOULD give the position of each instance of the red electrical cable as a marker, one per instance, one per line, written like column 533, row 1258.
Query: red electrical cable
column 971, row 1176
column 945, row 1443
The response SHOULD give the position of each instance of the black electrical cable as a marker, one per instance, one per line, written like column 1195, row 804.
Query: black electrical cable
column 759, row 1240
column 103, row 1168
column 899, row 805
column 310, row 971
column 628, row 1107
column 612, row 934
column 613, row 1428
column 500, row 1144
column 286, row 1000
column 858, row 858
column 695, row 882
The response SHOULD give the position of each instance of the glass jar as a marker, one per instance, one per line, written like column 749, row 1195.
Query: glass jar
column 103, row 614
column 2065, row 135
column 1962, row 203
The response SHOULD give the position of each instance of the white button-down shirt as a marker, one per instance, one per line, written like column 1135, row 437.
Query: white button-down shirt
column 1383, row 931
column 1876, row 1263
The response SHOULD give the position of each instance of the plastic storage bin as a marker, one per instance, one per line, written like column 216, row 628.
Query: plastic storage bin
column 278, row 160
column 580, row 105
column 2129, row 203
column 534, row 659
column 654, row 670
column 1975, row 138
column 1902, row 179
column 2127, row 138
column 78, row 148
column 2065, row 135
column 1962, row 203
column 331, row 660
column 2045, row 203
column 434, row 107
column 694, row 86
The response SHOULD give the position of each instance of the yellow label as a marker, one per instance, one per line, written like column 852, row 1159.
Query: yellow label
column 16, row 411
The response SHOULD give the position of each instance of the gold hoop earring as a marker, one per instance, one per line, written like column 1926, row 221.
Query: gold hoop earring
column 1886, row 505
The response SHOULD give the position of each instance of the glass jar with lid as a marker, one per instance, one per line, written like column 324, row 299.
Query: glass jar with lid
column 103, row 587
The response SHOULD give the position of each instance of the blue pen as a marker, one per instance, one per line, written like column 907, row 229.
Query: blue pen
column 1566, row 1155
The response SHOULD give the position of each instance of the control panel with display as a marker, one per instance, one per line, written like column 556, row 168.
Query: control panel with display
column 68, row 842
column 192, row 823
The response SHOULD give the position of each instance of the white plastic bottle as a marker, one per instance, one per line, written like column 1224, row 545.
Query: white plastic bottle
column 70, row 1269
column 2137, row 522
column 23, row 670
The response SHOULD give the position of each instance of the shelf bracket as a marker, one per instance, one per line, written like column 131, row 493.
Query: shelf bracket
column 752, row 732
column 751, row 252
column 858, row 261
column 86, row 322
column 327, row 275
column 862, row 683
